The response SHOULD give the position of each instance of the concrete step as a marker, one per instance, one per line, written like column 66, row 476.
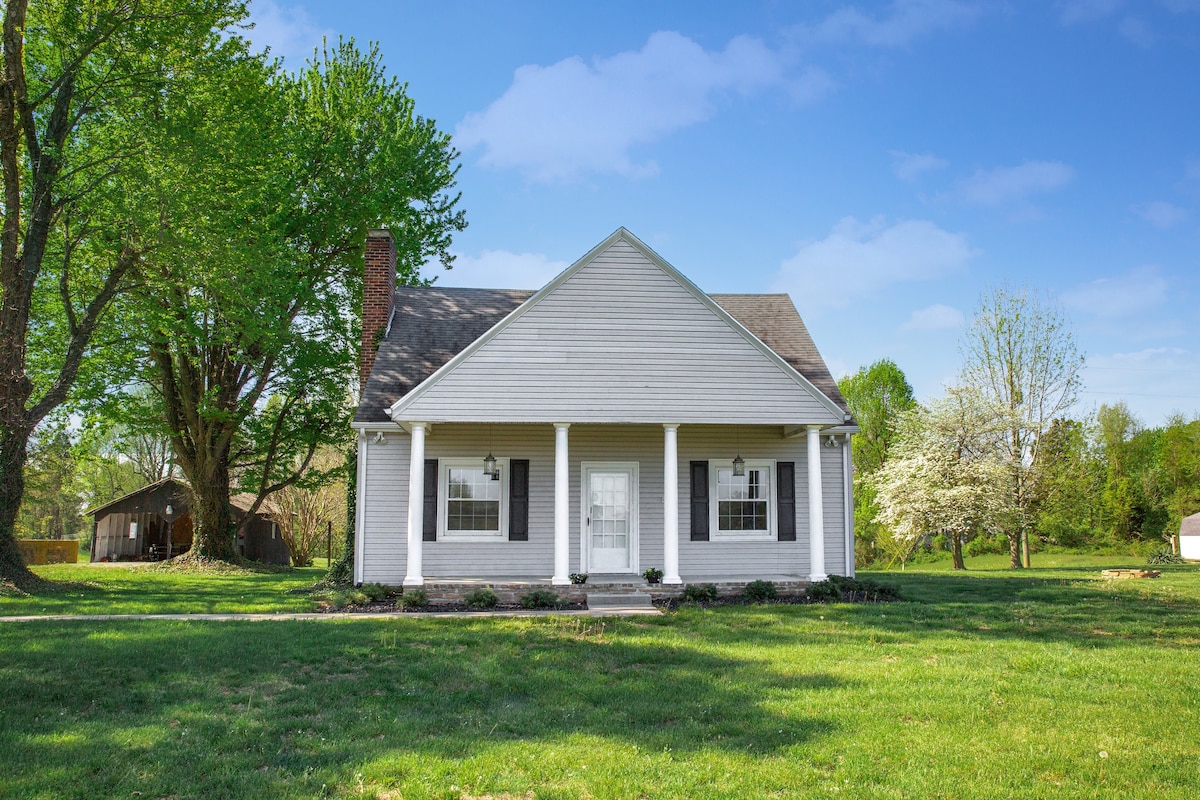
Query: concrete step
column 603, row 604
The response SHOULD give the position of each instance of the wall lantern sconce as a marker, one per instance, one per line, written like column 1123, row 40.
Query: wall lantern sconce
column 739, row 465
column 489, row 467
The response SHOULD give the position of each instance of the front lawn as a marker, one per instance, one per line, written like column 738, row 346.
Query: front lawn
column 142, row 589
column 1049, row 684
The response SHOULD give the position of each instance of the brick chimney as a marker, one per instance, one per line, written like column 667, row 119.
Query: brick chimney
column 379, row 289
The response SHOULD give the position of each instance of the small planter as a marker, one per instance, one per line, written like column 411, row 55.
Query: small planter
column 578, row 578
column 653, row 575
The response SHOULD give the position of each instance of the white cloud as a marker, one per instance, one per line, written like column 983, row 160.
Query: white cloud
column 936, row 317
column 1003, row 185
column 861, row 258
column 572, row 118
column 500, row 269
column 1136, row 31
column 1161, row 214
column 288, row 30
column 1132, row 293
column 905, row 21
column 910, row 166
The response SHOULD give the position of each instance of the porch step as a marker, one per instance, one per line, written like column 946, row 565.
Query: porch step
column 606, row 604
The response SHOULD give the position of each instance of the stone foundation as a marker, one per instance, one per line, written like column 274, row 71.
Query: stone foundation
column 441, row 592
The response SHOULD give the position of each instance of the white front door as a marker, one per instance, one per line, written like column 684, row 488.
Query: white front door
column 610, row 518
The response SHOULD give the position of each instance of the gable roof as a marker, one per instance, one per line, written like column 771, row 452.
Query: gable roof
column 145, row 490
column 435, row 328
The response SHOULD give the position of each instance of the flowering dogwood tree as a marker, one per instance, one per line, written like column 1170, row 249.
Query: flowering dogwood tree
column 946, row 475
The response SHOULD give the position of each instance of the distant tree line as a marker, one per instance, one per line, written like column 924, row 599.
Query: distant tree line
column 1004, row 461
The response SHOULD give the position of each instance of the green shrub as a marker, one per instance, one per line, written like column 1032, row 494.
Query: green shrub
column 986, row 545
column 837, row 588
column 539, row 598
column 826, row 591
column 1164, row 555
column 699, row 593
column 760, row 591
column 415, row 599
column 374, row 591
column 484, row 597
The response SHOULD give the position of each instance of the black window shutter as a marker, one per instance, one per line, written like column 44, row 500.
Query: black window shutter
column 699, row 501
column 429, row 528
column 518, row 500
column 785, row 513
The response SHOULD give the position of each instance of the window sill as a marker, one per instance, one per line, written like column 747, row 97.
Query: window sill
column 445, row 536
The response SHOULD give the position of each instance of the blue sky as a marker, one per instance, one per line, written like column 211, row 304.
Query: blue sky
column 883, row 163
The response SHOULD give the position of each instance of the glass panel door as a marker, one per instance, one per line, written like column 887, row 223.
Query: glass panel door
column 609, row 520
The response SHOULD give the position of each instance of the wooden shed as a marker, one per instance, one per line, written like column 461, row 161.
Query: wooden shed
column 155, row 523
column 1189, row 538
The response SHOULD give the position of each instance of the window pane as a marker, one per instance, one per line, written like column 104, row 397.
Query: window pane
column 742, row 500
column 473, row 501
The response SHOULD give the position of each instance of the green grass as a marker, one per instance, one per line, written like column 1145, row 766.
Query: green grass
column 983, row 685
column 140, row 589
column 994, row 562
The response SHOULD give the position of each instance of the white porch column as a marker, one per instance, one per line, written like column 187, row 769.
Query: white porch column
column 416, row 505
column 816, row 513
column 671, row 504
column 562, row 506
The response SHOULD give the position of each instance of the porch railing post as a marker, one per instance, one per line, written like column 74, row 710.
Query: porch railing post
column 671, row 504
column 816, row 512
column 562, row 506
column 413, row 575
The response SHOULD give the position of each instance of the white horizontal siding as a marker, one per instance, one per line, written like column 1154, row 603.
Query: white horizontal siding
column 834, row 510
column 619, row 341
column 385, row 500
column 384, row 511
column 501, row 558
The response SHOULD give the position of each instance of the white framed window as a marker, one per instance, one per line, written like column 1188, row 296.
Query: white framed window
column 472, row 506
column 741, row 506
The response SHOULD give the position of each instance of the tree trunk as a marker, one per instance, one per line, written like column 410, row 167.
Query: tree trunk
column 1025, row 546
column 12, row 486
column 956, row 549
column 213, row 536
column 1014, row 549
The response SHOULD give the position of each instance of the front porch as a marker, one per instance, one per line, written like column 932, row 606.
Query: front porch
column 601, row 499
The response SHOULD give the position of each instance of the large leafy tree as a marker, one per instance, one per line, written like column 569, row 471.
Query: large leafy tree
column 250, row 306
column 1020, row 354
column 80, row 86
column 878, row 396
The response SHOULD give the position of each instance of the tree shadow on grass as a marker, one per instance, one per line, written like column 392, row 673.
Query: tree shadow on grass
column 275, row 709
